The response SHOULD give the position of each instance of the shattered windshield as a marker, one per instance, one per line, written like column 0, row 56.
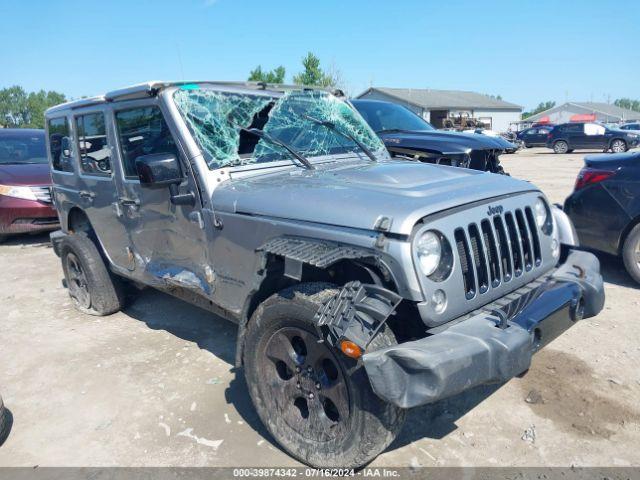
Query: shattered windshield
column 217, row 119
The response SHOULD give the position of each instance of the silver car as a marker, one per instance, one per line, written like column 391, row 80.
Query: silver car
column 361, row 285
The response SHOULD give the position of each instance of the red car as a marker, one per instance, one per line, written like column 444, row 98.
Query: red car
column 25, row 183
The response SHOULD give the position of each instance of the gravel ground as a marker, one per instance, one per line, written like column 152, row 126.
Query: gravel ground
column 154, row 385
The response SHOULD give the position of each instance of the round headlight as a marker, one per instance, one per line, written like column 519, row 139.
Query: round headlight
column 429, row 251
column 541, row 212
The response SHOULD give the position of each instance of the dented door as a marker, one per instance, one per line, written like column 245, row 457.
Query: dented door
column 167, row 241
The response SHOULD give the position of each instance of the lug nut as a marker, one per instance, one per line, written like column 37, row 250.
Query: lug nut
column 309, row 369
column 311, row 395
column 299, row 386
column 318, row 386
column 297, row 369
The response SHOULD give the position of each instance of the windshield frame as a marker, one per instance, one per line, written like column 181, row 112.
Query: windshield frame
column 193, row 147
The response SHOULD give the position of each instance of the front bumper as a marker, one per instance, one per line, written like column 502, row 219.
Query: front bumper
column 492, row 346
column 22, row 216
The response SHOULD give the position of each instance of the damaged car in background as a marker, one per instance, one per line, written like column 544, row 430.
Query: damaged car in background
column 406, row 135
column 362, row 285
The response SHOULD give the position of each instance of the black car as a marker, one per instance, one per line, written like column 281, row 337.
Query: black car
column 605, row 207
column 405, row 134
column 567, row 137
column 534, row 136
column 5, row 422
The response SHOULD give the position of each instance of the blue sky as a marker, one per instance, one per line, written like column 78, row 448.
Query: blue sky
column 526, row 51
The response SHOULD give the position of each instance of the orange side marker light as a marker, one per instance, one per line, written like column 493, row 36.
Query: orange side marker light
column 350, row 349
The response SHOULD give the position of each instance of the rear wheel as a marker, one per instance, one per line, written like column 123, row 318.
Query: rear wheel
column 316, row 402
column 561, row 147
column 618, row 146
column 631, row 253
column 93, row 289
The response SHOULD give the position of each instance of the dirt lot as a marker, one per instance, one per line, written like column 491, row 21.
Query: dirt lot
column 154, row 385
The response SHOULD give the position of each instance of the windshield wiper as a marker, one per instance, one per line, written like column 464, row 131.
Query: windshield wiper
column 332, row 126
column 265, row 136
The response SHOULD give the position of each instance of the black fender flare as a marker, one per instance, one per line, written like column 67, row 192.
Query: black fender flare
column 297, row 252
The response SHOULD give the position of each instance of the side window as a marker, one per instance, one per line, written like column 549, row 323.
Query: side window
column 573, row 128
column 92, row 144
column 142, row 131
column 60, row 144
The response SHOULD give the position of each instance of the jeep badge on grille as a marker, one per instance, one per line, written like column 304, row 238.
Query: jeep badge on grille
column 497, row 210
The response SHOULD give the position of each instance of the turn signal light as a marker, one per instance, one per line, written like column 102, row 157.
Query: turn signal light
column 350, row 349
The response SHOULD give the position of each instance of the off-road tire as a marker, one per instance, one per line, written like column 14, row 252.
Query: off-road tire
column 618, row 146
column 371, row 424
column 631, row 253
column 103, row 294
column 560, row 147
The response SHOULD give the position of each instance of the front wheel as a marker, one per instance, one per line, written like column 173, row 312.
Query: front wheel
column 618, row 146
column 316, row 402
column 561, row 147
column 631, row 253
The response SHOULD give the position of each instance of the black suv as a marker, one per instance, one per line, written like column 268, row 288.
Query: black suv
column 570, row 136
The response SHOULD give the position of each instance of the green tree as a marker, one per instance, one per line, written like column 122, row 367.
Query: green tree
column 628, row 103
column 542, row 106
column 19, row 109
column 274, row 76
column 314, row 75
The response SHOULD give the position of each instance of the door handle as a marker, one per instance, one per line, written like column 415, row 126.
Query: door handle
column 129, row 202
column 87, row 196
column 133, row 204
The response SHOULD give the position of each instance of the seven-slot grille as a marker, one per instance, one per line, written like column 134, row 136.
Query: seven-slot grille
column 43, row 194
column 497, row 249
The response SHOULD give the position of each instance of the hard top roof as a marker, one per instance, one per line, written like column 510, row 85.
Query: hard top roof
column 151, row 88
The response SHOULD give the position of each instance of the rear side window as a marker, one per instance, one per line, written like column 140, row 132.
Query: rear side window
column 92, row 144
column 142, row 131
column 60, row 144
column 573, row 128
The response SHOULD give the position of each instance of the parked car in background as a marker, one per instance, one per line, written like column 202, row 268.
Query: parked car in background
column 407, row 135
column 605, row 207
column 534, row 136
column 567, row 137
column 5, row 423
column 25, row 183
column 362, row 285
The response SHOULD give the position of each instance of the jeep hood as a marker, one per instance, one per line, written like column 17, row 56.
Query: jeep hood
column 356, row 194
column 443, row 142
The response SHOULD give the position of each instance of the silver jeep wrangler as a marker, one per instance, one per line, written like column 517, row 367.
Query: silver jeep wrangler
column 362, row 285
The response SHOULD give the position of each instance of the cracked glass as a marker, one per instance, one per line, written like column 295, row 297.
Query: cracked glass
column 216, row 120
